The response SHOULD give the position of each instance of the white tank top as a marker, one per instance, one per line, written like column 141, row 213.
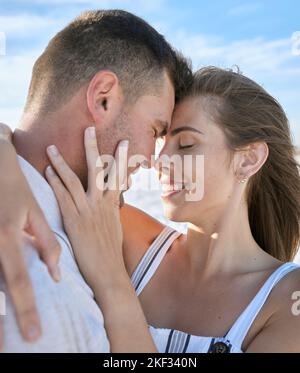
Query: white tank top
column 175, row 341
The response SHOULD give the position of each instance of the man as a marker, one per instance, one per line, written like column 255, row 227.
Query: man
column 114, row 71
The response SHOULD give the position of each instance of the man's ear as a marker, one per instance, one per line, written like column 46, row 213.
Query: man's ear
column 250, row 159
column 103, row 93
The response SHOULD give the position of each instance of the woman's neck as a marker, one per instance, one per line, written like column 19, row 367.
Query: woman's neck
column 223, row 242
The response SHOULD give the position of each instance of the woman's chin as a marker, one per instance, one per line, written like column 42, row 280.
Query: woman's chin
column 174, row 206
column 173, row 213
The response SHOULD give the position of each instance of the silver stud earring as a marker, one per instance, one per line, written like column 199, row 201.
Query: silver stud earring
column 238, row 176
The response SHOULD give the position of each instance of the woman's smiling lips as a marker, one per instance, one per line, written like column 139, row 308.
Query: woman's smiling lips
column 169, row 190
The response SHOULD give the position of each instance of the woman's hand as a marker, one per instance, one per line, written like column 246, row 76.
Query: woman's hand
column 92, row 218
column 21, row 213
column 92, row 222
column 5, row 132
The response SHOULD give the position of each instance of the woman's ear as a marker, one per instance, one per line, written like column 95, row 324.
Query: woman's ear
column 250, row 159
column 103, row 95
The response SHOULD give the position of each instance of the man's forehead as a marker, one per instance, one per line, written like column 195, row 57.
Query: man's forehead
column 168, row 90
column 167, row 107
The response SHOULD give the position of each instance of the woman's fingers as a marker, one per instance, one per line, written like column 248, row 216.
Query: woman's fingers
column 49, row 248
column 94, row 164
column 65, row 201
column 20, row 289
column 69, row 178
column 117, row 178
column 122, row 164
column 5, row 132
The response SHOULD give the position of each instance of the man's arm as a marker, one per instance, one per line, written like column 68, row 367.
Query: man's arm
column 20, row 212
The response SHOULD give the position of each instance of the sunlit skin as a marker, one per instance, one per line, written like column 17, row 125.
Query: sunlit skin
column 221, row 266
column 210, row 274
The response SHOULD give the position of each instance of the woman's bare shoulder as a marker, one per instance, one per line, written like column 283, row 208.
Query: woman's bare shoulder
column 139, row 231
column 287, row 285
column 282, row 330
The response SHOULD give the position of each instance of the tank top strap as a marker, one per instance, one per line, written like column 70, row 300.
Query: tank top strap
column 240, row 328
column 152, row 258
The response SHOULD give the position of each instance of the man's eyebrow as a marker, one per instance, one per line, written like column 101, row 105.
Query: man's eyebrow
column 184, row 128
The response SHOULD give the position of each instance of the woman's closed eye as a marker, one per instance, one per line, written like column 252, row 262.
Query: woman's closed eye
column 186, row 141
column 188, row 146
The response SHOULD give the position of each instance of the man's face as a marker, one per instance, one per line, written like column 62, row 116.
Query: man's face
column 141, row 123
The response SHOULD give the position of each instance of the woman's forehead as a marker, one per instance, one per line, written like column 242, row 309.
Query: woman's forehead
column 191, row 111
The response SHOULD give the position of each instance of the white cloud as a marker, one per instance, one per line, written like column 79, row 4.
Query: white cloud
column 2, row 43
column 15, row 74
column 295, row 128
column 269, row 62
column 11, row 116
column 23, row 25
column 251, row 54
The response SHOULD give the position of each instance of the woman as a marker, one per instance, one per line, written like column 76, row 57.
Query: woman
column 228, row 284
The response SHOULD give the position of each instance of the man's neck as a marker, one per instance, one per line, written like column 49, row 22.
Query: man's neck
column 34, row 135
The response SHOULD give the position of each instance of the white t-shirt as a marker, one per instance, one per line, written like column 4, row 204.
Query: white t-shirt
column 71, row 319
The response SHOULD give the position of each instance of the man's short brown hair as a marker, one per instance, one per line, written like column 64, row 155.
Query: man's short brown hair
column 104, row 39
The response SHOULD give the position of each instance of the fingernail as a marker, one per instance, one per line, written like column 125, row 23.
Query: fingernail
column 52, row 149
column 124, row 143
column 56, row 274
column 33, row 333
column 50, row 171
column 91, row 132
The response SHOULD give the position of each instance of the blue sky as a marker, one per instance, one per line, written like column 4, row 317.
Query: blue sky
column 256, row 36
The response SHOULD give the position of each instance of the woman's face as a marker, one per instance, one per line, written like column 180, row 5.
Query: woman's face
column 202, row 164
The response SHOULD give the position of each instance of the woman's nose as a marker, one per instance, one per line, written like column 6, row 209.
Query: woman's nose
column 162, row 163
